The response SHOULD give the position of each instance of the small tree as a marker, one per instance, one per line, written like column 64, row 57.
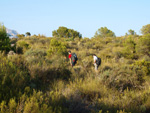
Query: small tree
column 4, row 39
column 28, row 34
column 129, row 48
column 20, row 35
column 54, row 33
column 145, row 29
column 131, row 32
column 63, row 32
column 104, row 32
column 143, row 45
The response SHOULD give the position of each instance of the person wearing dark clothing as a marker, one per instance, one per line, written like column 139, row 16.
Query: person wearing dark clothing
column 73, row 58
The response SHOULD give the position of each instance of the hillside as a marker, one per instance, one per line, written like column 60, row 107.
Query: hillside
column 11, row 33
column 39, row 77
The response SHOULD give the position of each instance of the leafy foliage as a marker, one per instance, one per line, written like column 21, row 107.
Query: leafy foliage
column 22, row 46
column 4, row 39
column 104, row 32
column 28, row 34
column 57, row 47
column 145, row 29
column 66, row 33
column 129, row 48
column 13, row 77
column 20, row 36
column 143, row 45
column 131, row 32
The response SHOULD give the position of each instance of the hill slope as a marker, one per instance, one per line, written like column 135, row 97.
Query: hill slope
column 12, row 33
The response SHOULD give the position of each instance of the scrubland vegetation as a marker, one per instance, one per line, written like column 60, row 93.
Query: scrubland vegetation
column 39, row 78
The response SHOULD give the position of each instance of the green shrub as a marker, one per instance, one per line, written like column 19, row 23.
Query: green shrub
column 122, row 78
column 12, row 105
column 51, row 102
column 129, row 48
column 35, row 52
column 3, row 107
column 143, row 45
column 56, row 47
column 144, row 66
column 14, row 77
column 22, row 46
column 4, row 39
column 117, row 52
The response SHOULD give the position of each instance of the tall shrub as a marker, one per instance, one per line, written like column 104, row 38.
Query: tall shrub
column 57, row 47
column 4, row 39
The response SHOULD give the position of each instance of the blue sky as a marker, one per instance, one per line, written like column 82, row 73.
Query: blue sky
column 85, row 16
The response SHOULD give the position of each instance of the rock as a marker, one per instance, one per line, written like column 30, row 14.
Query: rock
column 11, row 53
column 12, row 45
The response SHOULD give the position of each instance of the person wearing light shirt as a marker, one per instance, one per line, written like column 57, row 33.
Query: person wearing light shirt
column 95, row 59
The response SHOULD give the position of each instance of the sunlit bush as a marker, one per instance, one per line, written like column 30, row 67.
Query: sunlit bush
column 56, row 47
column 144, row 66
column 14, row 77
column 143, row 45
column 129, row 48
column 22, row 46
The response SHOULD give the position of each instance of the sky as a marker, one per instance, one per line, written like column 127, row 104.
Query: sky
column 84, row 16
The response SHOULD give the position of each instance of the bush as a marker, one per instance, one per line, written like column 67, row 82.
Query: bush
column 143, row 45
column 22, row 46
column 56, row 47
column 144, row 66
column 36, row 53
column 122, row 77
column 14, row 77
column 129, row 48
column 117, row 52
column 36, row 57
column 4, row 39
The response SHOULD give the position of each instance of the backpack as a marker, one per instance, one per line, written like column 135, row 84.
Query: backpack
column 74, row 57
column 98, row 61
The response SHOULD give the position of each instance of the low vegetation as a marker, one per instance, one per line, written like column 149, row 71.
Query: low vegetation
column 39, row 77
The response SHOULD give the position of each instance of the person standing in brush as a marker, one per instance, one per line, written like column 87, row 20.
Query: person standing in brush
column 73, row 58
column 97, row 62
